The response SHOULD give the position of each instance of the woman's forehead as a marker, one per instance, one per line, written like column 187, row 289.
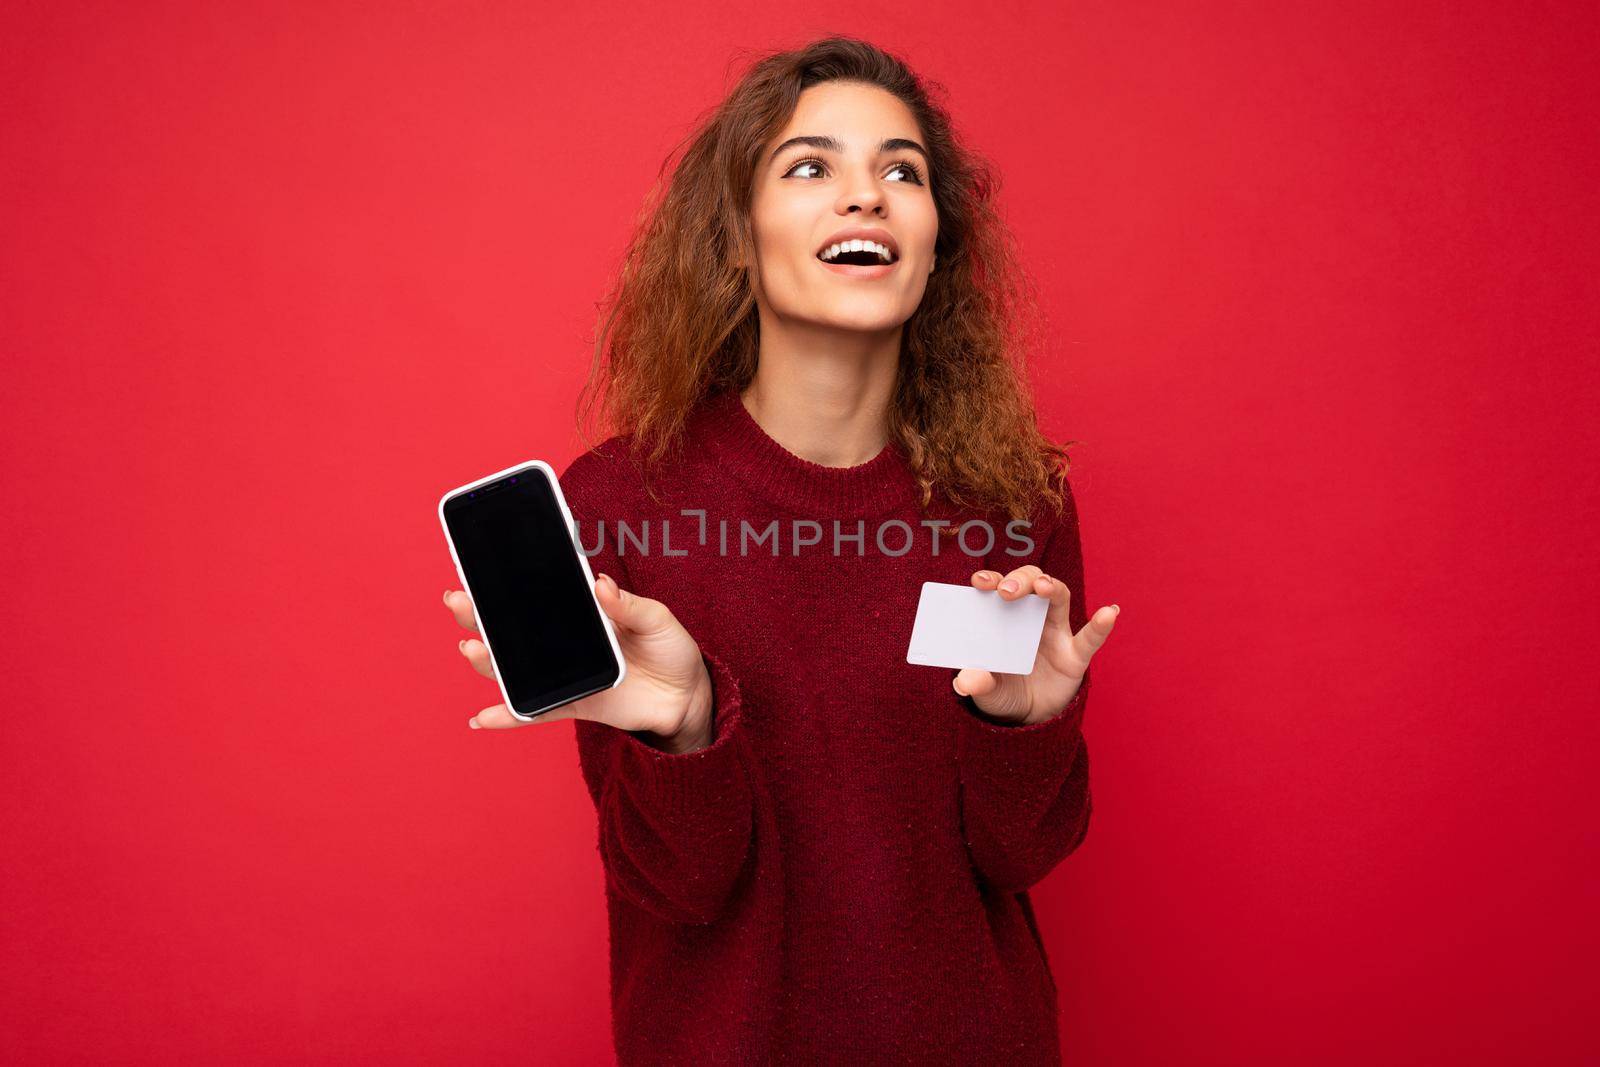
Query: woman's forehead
column 858, row 115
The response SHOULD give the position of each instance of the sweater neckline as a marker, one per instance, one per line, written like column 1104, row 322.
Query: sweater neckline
column 747, row 451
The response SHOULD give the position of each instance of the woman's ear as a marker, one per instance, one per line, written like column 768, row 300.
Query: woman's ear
column 935, row 264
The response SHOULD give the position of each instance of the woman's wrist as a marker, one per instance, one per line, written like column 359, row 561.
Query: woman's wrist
column 694, row 730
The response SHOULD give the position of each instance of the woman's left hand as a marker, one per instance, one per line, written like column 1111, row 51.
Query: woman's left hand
column 1063, row 655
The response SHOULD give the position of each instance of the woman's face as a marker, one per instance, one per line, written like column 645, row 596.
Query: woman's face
column 848, row 160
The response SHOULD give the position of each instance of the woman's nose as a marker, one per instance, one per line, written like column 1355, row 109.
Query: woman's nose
column 862, row 193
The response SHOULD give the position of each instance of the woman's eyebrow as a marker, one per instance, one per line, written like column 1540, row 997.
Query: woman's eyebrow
column 833, row 144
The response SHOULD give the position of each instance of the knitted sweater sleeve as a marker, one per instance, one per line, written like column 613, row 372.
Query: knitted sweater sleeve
column 1025, row 800
column 674, row 830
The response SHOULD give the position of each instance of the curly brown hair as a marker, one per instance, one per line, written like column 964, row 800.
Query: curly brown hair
column 681, row 319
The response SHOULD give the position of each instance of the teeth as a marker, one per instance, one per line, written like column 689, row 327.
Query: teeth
column 833, row 252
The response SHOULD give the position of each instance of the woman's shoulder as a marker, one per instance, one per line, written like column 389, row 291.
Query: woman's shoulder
column 624, row 475
column 1059, row 510
column 1047, row 513
column 604, row 475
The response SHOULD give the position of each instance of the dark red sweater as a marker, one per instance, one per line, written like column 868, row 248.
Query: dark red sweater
column 842, row 873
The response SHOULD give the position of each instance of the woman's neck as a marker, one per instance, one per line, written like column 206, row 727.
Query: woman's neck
column 826, row 398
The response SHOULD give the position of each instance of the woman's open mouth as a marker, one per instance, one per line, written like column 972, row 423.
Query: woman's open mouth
column 858, row 259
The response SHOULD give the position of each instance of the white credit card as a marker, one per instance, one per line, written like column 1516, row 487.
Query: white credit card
column 959, row 626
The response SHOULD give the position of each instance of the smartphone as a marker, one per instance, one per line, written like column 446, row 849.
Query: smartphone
column 516, row 551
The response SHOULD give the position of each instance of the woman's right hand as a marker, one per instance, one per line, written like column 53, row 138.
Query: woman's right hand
column 666, row 693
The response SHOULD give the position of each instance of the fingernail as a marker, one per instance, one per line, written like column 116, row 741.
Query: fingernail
column 473, row 722
column 956, row 686
column 461, row 645
column 1009, row 585
column 447, row 598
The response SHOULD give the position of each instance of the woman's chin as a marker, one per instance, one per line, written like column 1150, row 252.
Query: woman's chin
column 867, row 320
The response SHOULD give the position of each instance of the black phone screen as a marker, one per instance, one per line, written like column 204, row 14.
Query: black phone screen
column 522, row 569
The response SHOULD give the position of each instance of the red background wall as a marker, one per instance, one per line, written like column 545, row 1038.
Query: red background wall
column 1323, row 286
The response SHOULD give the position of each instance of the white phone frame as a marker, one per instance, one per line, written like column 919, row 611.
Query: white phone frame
column 583, row 561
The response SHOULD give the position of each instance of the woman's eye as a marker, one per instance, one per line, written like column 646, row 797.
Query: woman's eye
column 910, row 170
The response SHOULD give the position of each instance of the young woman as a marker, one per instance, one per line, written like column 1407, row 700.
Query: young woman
column 813, row 849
